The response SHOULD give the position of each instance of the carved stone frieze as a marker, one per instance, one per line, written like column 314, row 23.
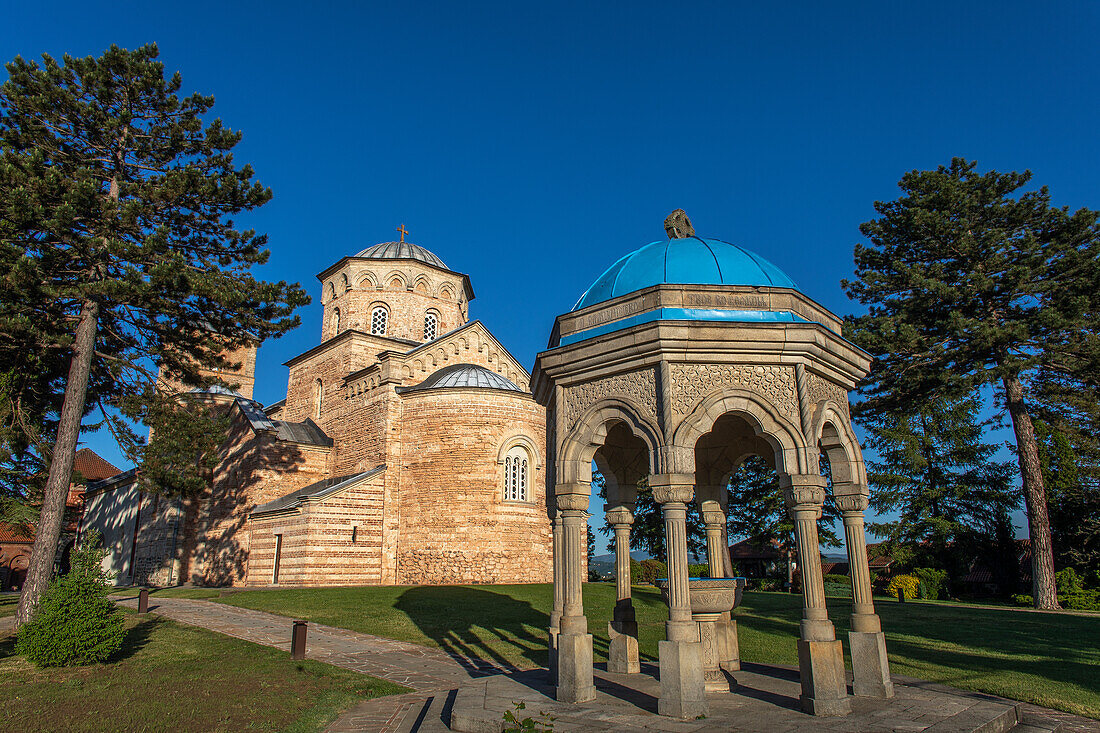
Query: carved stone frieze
column 819, row 388
column 639, row 387
column 692, row 382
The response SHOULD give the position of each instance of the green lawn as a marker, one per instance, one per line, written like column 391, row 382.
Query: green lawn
column 1048, row 659
column 171, row 677
column 8, row 604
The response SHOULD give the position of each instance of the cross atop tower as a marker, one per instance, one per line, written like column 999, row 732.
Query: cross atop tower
column 403, row 232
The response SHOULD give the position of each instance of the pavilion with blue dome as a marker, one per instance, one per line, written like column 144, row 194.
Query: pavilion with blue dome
column 685, row 357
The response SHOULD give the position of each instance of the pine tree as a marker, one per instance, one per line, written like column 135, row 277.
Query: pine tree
column 969, row 284
column 117, row 201
column 937, row 475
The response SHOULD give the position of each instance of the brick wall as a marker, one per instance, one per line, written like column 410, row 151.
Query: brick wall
column 256, row 468
column 455, row 526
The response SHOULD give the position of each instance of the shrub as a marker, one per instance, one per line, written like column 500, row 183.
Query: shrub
column 770, row 584
column 74, row 623
column 1086, row 600
column 931, row 582
column 1068, row 582
column 1022, row 599
column 837, row 579
column 698, row 570
column 653, row 569
column 635, row 572
column 910, row 584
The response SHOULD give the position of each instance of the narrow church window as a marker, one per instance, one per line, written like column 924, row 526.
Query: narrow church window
column 354, row 534
column 335, row 321
column 278, row 556
column 431, row 326
column 515, row 475
column 317, row 399
column 378, row 318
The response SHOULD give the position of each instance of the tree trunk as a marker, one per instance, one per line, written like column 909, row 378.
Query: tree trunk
column 48, row 530
column 1035, row 499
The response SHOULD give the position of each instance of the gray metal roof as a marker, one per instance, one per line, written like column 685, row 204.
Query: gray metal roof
column 295, row 432
column 463, row 375
column 217, row 389
column 401, row 251
column 317, row 490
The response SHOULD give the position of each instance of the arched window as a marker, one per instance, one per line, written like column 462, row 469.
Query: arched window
column 431, row 326
column 335, row 321
column 378, row 318
column 516, row 473
column 347, row 285
column 330, row 291
column 317, row 399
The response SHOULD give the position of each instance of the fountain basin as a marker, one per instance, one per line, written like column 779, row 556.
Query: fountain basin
column 710, row 595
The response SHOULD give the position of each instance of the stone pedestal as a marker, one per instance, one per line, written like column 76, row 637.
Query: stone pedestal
column 575, row 682
column 710, row 637
column 729, row 651
column 824, row 687
column 683, row 693
column 622, row 651
column 870, row 667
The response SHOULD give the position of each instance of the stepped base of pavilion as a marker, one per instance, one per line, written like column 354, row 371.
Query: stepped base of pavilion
column 764, row 698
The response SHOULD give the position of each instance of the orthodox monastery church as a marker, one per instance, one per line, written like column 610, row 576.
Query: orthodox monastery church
column 408, row 450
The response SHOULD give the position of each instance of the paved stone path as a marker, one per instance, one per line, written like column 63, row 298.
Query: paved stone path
column 438, row 680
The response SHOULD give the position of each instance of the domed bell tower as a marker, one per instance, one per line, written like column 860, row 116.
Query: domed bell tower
column 396, row 290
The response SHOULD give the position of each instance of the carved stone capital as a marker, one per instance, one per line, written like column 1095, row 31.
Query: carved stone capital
column 572, row 502
column 672, row 487
column 620, row 515
column 854, row 503
column 712, row 518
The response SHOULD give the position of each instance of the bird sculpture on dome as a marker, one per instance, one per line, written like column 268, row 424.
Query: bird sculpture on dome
column 678, row 225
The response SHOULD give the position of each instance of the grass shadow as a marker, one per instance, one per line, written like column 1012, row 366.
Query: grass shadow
column 480, row 629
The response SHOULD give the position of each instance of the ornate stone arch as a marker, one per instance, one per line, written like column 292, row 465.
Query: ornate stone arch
column 446, row 291
column 396, row 275
column 832, row 431
column 574, row 462
column 367, row 281
column 783, row 435
column 422, row 281
column 524, row 440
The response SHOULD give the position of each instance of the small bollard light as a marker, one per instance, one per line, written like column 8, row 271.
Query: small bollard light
column 901, row 595
column 143, row 601
column 298, row 641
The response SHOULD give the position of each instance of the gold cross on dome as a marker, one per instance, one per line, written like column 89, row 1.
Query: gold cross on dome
column 403, row 232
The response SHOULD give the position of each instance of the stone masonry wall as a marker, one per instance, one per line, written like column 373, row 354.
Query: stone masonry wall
column 256, row 468
column 456, row 526
column 407, row 289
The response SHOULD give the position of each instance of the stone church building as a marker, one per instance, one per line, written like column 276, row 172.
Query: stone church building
column 408, row 450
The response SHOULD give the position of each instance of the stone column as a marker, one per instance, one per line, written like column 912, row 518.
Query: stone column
column 559, row 596
column 820, row 654
column 683, row 692
column 714, row 519
column 867, row 643
column 574, row 656
column 622, row 653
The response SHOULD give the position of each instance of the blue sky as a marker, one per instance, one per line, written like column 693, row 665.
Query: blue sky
column 532, row 145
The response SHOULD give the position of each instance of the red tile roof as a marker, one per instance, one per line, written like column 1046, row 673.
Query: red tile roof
column 16, row 533
column 92, row 467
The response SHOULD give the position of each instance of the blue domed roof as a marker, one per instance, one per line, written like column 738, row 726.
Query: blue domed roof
column 687, row 261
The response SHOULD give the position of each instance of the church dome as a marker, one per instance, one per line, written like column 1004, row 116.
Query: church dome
column 401, row 251
column 464, row 375
column 687, row 261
